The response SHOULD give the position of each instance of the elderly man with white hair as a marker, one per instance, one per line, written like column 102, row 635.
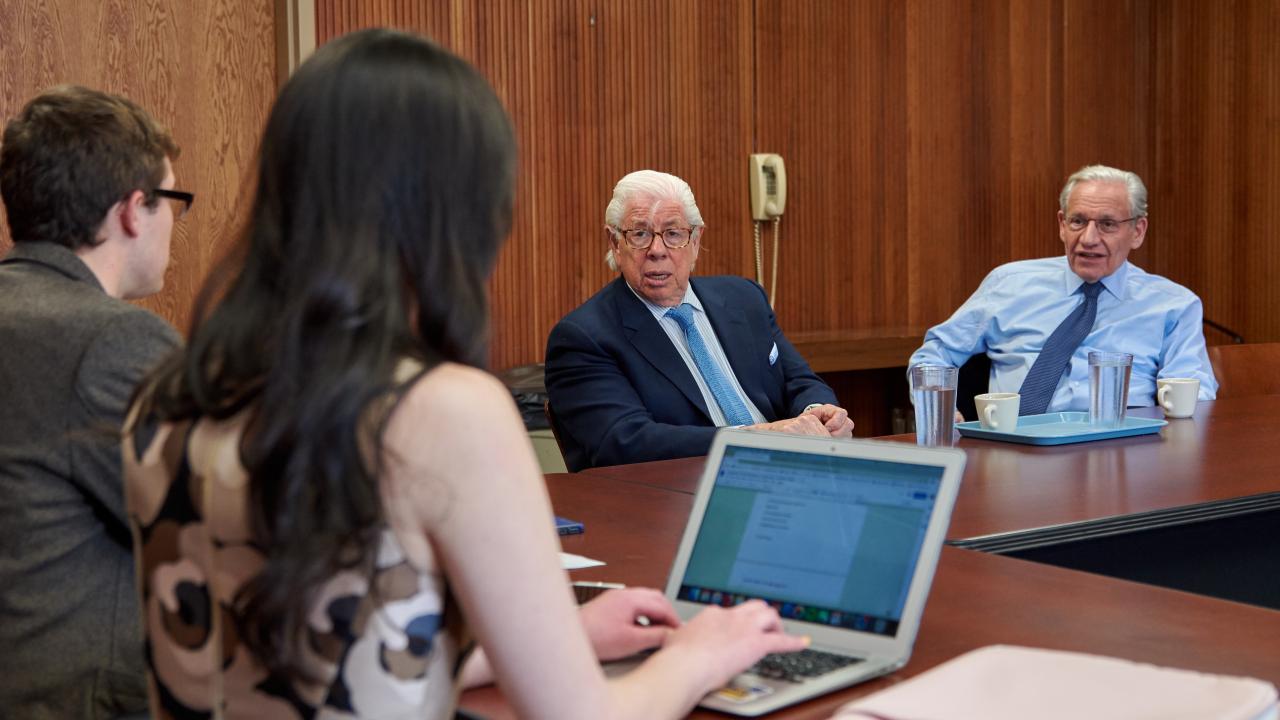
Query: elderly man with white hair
column 651, row 365
column 1038, row 320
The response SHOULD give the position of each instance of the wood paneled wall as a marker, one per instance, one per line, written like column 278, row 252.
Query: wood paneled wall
column 940, row 131
column 1215, row 156
column 596, row 90
column 926, row 141
column 204, row 69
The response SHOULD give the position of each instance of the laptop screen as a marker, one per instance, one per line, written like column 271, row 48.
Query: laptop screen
column 823, row 539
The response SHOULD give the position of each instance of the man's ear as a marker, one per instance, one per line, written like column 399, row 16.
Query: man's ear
column 1140, row 235
column 131, row 209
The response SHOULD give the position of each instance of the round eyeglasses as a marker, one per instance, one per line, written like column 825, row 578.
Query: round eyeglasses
column 642, row 238
column 1106, row 226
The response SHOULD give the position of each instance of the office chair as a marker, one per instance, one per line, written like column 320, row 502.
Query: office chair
column 975, row 378
column 1248, row 369
column 555, row 427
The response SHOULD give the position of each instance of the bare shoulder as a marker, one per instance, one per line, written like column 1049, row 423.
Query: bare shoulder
column 451, row 387
column 450, row 414
column 455, row 436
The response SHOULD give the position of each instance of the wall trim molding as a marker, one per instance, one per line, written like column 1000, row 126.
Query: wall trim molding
column 295, row 35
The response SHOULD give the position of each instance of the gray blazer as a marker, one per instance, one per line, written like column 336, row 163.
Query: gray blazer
column 70, row 357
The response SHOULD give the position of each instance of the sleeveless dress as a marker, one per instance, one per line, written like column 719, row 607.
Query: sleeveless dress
column 386, row 646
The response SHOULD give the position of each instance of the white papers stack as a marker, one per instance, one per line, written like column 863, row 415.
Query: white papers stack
column 1003, row 682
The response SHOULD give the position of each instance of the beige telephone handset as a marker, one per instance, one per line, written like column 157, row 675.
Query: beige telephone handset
column 768, row 180
column 768, row 186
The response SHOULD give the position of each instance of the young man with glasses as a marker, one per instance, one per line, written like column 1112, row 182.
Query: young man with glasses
column 1090, row 299
column 89, row 196
column 650, row 366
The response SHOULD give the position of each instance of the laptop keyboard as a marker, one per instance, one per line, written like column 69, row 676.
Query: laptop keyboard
column 800, row 666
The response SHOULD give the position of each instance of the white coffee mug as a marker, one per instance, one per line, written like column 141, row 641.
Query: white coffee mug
column 1177, row 396
column 998, row 411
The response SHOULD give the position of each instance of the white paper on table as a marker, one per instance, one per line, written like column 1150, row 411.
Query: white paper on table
column 1003, row 682
column 569, row 561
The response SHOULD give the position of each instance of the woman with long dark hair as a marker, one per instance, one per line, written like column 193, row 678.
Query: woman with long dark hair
column 323, row 486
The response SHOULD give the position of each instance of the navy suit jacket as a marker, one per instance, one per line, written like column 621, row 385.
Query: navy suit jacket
column 620, row 392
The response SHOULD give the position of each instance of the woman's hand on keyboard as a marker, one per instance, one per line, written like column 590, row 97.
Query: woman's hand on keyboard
column 726, row 641
column 624, row 622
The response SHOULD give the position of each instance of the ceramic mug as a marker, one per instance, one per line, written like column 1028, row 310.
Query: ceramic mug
column 998, row 411
column 1177, row 396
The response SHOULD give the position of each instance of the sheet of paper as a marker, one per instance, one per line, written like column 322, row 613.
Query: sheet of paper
column 569, row 561
column 1005, row 682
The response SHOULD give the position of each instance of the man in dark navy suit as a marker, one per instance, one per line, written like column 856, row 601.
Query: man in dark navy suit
column 651, row 365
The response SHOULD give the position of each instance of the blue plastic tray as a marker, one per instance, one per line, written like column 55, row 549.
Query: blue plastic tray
column 1060, row 429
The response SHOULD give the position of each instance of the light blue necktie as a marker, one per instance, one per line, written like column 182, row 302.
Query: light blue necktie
column 1042, row 380
column 735, row 412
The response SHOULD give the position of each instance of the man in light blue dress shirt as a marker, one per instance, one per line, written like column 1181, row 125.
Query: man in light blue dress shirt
column 1102, row 217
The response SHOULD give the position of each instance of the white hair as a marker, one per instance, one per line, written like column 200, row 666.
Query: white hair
column 1101, row 173
column 648, row 184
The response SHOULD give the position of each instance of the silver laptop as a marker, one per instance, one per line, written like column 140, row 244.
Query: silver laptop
column 841, row 537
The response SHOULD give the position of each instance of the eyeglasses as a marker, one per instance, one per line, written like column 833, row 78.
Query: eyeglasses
column 181, row 196
column 1106, row 226
column 642, row 238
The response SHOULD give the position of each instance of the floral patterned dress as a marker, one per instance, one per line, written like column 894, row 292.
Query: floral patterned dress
column 386, row 646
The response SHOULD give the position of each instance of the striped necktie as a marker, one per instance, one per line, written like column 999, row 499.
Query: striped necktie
column 1041, row 382
column 735, row 411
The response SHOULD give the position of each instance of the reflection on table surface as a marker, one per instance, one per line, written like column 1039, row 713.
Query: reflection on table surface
column 1226, row 450
column 634, row 516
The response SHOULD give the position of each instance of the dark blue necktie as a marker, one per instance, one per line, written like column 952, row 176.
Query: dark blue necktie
column 1040, row 383
column 735, row 411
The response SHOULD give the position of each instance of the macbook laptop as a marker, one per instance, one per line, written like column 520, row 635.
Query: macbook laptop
column 840, row 536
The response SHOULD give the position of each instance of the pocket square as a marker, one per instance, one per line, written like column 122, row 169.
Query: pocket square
column 773, row 354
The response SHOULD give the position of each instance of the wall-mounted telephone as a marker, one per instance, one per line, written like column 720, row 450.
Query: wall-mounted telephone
column 768, row 186
column 767, row 177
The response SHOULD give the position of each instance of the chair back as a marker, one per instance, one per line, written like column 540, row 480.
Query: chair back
column 1248, row 369
column 555, row 428
column 974, row 379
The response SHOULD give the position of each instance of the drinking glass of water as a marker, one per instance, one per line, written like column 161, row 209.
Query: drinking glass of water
column 933, row 390
column 1108, row 387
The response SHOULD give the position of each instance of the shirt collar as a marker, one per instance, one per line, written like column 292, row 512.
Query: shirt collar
column 1114, row 283
column 659, row 311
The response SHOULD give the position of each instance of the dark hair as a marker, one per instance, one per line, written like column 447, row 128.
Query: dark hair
column 385, row 184
column 70, row 155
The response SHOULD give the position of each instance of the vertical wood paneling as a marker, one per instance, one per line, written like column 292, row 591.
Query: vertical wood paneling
column 833, row 107
column 206, row 70
column 1257, row 192
column 1216, row 200
column 1001, row 100
column 1036, row 120
column 925, row 140
column 957, row 150
column 593, row 98
column 1105, row 83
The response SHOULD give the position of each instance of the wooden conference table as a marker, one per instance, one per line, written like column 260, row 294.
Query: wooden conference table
column 1222, row 463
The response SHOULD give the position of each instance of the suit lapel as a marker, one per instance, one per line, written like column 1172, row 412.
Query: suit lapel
column 652, row 342
column 734, row 333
